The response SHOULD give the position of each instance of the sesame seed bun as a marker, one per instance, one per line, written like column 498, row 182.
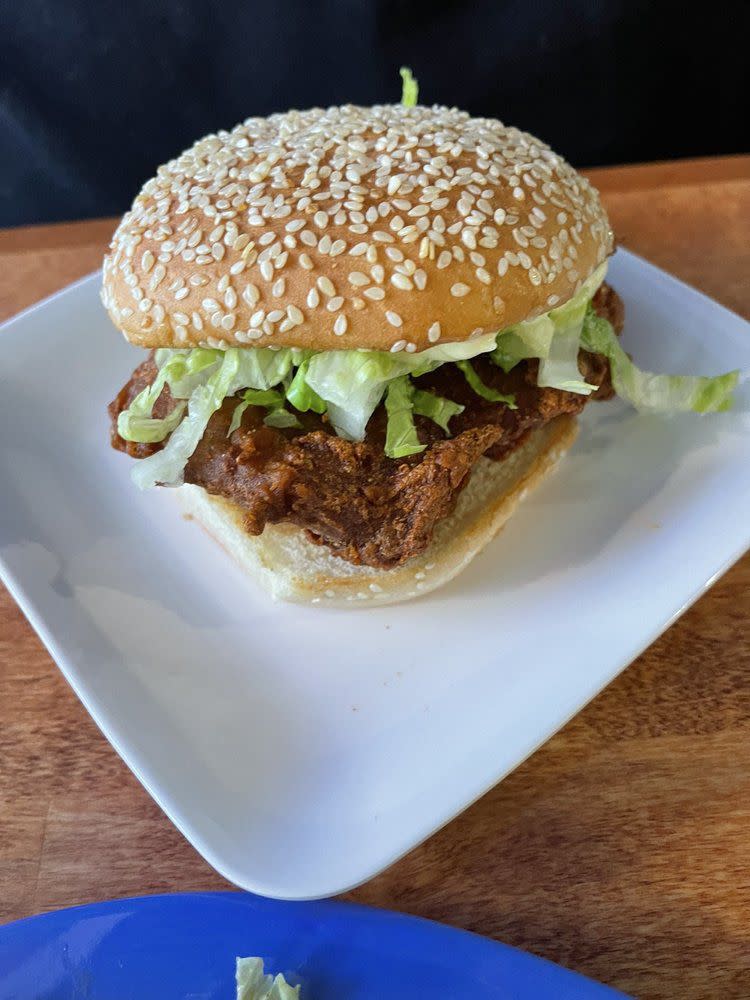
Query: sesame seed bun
column 388, row 228
column 292, row 568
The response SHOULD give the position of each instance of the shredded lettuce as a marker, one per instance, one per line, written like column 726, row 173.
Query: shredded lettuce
column 531, row 339
column 651, row 393
column 402, row 400
column 277, row 416
column 281, row 418
column 485, row 391
column 558, row 368
column 410, row 88
column 401, row 434
column 254, row 984
column 349, row 385
column 137, row 424
column 262, row 368
column 437, row 408
column 352, row 383
column 166, row 466
column 182, row 371
column 301, row 395
column 237, row 416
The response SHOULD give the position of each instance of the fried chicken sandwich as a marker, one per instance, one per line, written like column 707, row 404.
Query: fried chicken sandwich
column 370, row 332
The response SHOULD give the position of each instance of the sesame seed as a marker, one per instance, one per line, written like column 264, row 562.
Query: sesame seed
column 266, row 270
column 401, row 281
column 250, row 294
column 398, row 346
column 433, row 334
column 393, row 318
column 274, row 316
column 375, row 293
column 444, row 259
column 277, row 289
column 358, row 279
column 313, row 299
column 339, row 327
column 334, row 304
column 295, row 315
column 459, row 289
column 304, row 261
column 182, row 293
column 358, row 249
column 483, row 276
column 326, row 285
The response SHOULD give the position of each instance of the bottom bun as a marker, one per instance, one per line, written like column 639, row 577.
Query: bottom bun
column 292, row 568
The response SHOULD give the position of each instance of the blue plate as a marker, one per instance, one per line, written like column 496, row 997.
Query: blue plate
column 184, row 946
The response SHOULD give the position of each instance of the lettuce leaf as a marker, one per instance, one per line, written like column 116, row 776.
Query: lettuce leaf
column 301, row 395
column 269, row 398
column 559, row 368
column 401, row 434
column 166, row 466
column 554, row 339
column 437, row 408
column 137, row 423
column 280, row 417
column 410, row 88
column 485, row 391
column 650, row 393
column 352, row 383
column 182, row 371
column 531, row 339
column 254, row 984
column 349, row 385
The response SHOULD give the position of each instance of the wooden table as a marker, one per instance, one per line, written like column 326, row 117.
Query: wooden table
column 621, row 849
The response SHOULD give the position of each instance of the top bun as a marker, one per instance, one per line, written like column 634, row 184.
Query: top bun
column 386, row 228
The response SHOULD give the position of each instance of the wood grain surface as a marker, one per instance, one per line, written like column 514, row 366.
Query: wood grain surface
column 620, row 849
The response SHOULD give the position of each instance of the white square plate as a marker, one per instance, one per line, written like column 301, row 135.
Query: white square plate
column 303, row 750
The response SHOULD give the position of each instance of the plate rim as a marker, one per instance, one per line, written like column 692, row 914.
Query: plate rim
column 480, row 945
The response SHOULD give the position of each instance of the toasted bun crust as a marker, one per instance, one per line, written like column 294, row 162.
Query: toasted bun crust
column 292, row 568
column 385, row 228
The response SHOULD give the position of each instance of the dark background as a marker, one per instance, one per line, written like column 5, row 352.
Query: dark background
column 94, row 94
